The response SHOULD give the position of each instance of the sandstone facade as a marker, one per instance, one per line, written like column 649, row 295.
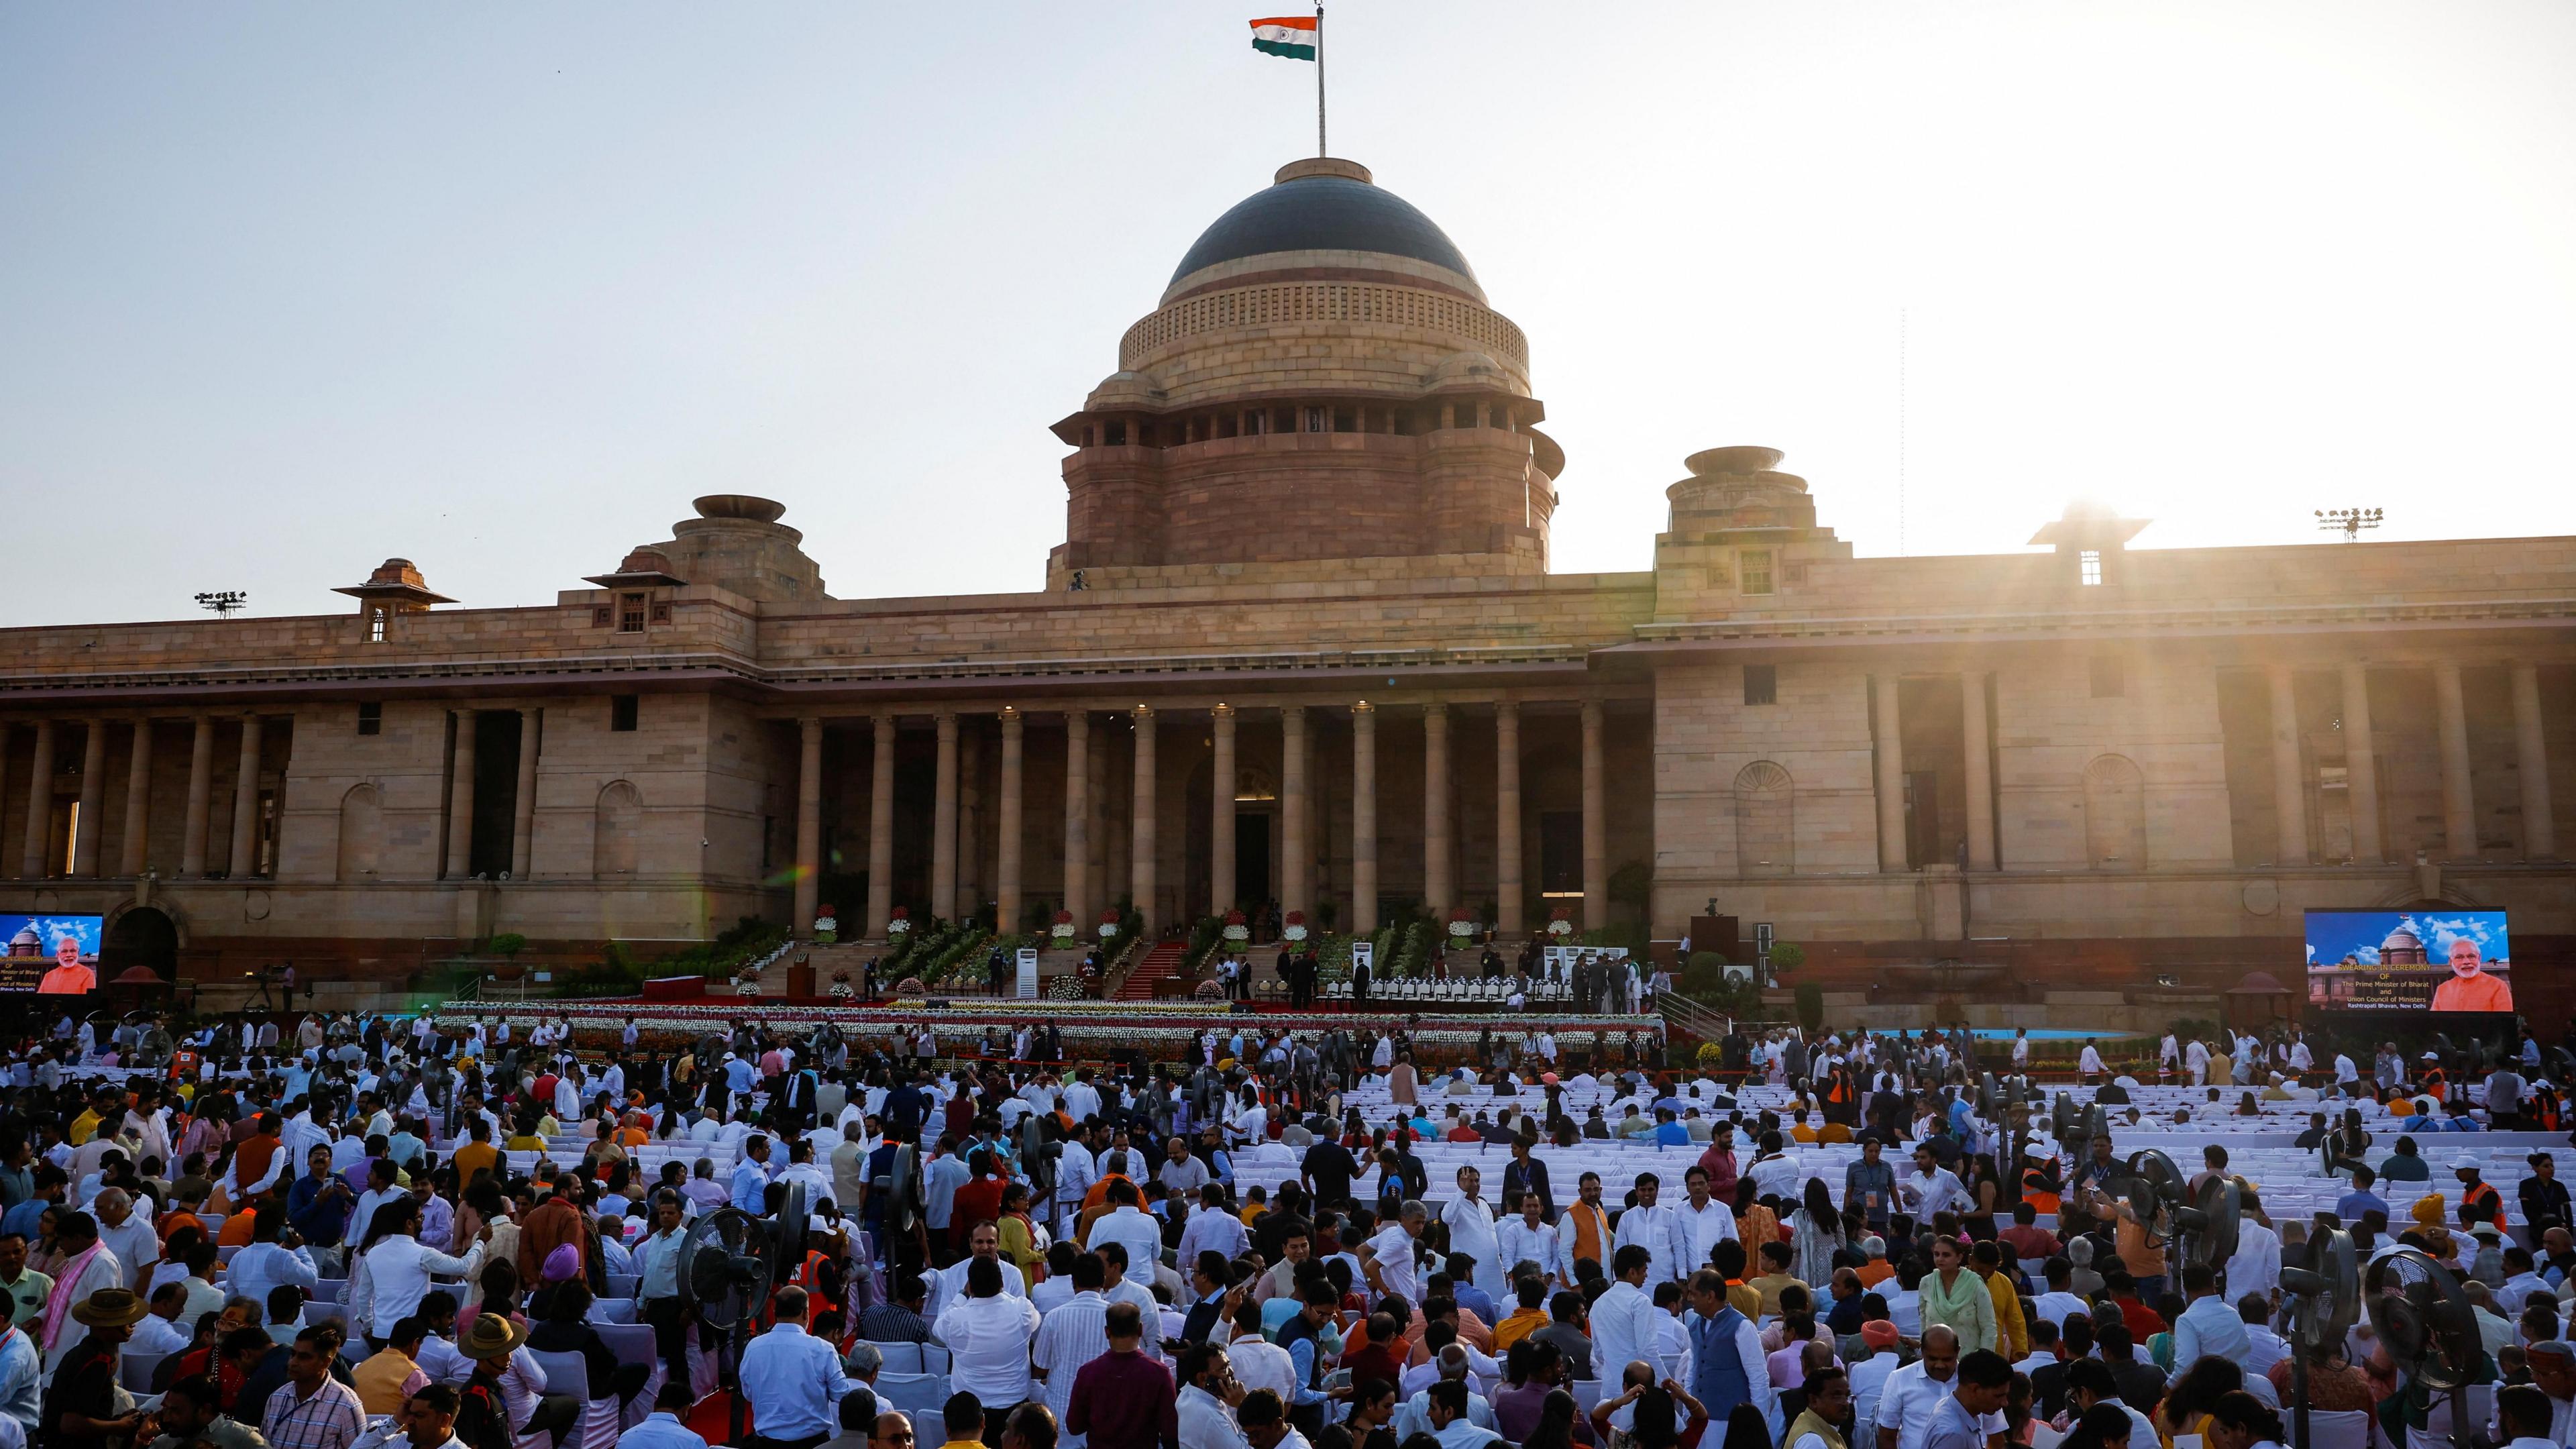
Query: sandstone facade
column 2101, row 764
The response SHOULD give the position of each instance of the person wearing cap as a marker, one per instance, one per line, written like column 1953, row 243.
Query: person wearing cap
column 485, row 1412
column 1869, row 1366
column 2479, row 1201
column 2553, row 1372
column 80, row 1409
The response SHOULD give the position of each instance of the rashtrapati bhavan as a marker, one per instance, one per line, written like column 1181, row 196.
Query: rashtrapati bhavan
column 2031, row 777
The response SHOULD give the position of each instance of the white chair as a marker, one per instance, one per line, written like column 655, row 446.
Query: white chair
column 914, row 1394
column 134, row 1371
column 900, row 1358
column 1587, row 1392
column 2340, row 1429
column 568, row 1373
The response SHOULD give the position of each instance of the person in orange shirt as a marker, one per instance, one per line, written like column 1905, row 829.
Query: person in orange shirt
column 1877, row 1270
column 2471, row 987
column 1530, row 1317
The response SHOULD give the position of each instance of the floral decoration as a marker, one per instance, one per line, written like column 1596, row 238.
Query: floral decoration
column 899, row 922
column 1235, row 928
column 1108, row 923
column 1560, row 923
column 1461, row 923
column 827, row 924
column 1063, row 926
column 1294, row 927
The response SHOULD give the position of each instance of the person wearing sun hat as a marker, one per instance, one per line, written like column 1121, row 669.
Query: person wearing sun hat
column 81, row 1407
column 505, row 1399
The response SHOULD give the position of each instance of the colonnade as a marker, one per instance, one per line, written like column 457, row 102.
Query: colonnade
column 1083, row 776
column 88, row 855
column 2289, row 766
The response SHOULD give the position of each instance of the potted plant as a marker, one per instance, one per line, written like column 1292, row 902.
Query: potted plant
column 1294, row 928
column 841, row 988
column 1462, row 926
column 1236, row 929
column 507, row 946
column 1063, row 928
column 1109, row 923
column 898, row 923
column 827, row 925
column 1560, row 924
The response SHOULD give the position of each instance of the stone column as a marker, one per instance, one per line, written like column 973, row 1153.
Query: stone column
column 881, row 829
column 460, row 798
column 1221, row 773
column 135, row 843
column 2289, row 787
column 1976, row 736
column 1077, row 816
column 245, row 858
column 1006, row 852
column 1141, row 847
column 809, row 824
column 2459, row 802
column 1296, row 856
column 40, row 806
column 943, row 819
column 1363, row 819
column 2531, row 758
column 1596, row 825
column 2360, row 766
column 1507, row 817
column 970, row 823
column 1439, row 884
column 93, row 798
column 201, row 799
column 523, row 811
column 1891, row 776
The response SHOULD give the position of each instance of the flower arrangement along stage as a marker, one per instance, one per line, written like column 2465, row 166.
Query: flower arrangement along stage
column 1091, row 1029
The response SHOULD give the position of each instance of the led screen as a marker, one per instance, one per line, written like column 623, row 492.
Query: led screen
column 55, row 955
column 2429, row 960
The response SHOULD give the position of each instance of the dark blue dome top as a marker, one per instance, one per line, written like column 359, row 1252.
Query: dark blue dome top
column 1324, row 213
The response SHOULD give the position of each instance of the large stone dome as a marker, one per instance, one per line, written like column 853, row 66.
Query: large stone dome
column 1324, row 205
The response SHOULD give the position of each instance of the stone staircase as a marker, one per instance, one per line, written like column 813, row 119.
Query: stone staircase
column 1162, row 963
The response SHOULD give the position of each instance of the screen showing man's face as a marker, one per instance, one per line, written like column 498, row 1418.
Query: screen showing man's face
column 2465, row 960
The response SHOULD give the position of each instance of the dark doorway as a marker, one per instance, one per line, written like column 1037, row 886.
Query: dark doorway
column 1560, row 852
column 1251, row 860
column 140, row 937
column 496, row 791
column 1922, row 817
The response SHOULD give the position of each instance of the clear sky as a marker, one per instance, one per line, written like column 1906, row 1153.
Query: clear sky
column 286, row 289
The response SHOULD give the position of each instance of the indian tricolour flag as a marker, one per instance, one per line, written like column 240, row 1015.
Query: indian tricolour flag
column 1290, row 35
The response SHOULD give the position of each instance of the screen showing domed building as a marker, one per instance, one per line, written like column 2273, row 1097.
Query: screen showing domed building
column 52, row 955
column 2438, row 959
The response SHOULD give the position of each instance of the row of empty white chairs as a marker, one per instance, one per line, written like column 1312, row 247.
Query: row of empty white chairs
column 1461, row 989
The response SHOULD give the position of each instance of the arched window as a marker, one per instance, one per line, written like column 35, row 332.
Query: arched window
column 362, row 833
column 1765, row 820
column 618, row 831
column 2115, row 814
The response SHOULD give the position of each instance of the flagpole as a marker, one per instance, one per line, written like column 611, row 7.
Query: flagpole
column 1319, row 83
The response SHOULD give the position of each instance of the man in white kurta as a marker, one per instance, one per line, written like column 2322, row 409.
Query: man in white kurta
column 1471, row 1231
column 1657, row 1229
column 1529, row 1239
column 1072, row 1334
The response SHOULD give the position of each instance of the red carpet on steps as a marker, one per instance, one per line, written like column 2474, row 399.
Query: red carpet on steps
column 1160, row 964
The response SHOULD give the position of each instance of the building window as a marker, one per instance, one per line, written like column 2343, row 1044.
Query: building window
column 2108, row 680
column 371, row 718
column 1116, row 435
column 1756, row 570
column 376, row 626
column 2089, row 567
column 1314, row 420
column 621, row 713
column 630, row 614
column 1761, row 684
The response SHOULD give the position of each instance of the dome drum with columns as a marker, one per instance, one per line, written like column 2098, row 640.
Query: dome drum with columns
column 1323, row 380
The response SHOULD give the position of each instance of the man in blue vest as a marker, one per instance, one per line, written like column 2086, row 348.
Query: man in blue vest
column 1728, row 1366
